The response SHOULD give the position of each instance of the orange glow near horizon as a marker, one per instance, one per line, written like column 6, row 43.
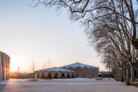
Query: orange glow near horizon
column 13, row 69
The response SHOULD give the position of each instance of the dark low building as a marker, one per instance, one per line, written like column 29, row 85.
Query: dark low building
column 105, row 74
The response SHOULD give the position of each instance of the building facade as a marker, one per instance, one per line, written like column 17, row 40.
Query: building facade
column 76, row 70
column 4, row 66
column 83, row 70
column 55, row 72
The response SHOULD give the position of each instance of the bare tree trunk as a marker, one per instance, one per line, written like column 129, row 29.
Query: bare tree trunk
column 121, row 76
column 132, row 73
column 127, row 74
column 124, row 74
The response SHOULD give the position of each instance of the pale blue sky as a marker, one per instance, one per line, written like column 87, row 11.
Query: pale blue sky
column 38, row 33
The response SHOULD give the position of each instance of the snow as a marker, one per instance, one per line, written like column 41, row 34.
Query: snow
column 55, row 69
column 70, row 79
column 80, row 65
column 65, row 85
column 60, row 80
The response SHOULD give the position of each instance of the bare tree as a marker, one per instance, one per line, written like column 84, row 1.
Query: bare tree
column 91, row 10
column 44, row 65
column 107, row 23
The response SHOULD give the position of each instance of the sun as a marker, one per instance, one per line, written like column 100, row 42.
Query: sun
column 13, row 69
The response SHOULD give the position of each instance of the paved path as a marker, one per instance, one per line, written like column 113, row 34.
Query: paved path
column 65, row 86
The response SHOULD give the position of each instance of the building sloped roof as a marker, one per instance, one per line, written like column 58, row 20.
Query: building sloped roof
column 55, row 69
column 80, row 65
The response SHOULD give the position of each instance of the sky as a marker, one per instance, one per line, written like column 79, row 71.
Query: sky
column 40, row 35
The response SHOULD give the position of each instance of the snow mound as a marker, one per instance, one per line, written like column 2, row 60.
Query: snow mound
column 55, row 69
column 80, row 65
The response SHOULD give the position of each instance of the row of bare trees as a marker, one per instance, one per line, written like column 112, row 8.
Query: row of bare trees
column 114, row 35
column 112, row 25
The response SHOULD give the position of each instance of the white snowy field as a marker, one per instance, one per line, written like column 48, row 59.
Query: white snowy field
column 65, row 85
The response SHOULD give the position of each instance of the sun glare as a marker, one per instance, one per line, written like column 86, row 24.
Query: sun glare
column 13, row 69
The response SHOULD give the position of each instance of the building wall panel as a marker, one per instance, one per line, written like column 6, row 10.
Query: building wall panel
column 1, row 69
column 4, row 66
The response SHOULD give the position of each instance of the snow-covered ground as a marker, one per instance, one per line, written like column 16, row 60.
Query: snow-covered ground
column 66, row 80
column 65, row 85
